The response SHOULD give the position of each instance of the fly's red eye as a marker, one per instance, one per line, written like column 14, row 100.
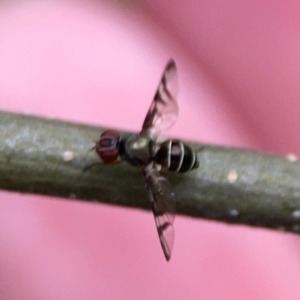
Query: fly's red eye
column 108, row 146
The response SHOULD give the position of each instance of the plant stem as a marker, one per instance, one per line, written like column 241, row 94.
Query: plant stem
column 231, row 185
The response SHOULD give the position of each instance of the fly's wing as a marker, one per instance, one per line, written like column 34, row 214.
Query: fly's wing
column 163, row 110
column 163, row 206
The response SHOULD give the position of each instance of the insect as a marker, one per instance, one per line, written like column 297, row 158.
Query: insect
column 143, row 150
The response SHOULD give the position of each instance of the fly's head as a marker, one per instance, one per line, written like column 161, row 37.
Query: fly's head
column 107, row 147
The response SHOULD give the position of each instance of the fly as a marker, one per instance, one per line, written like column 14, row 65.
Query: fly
column 143, row 150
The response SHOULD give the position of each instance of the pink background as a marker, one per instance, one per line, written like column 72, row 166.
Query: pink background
column 99, row 63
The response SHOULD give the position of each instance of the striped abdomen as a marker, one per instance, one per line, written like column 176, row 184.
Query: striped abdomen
column 176, row 156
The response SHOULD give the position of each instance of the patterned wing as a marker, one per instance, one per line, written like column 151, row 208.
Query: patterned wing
column 163, row 110
column 163, row 206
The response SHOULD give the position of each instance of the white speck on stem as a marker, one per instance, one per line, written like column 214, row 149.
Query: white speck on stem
column 232, row 176
column 296, row 214
column 291, row 157
column 68, row 155
column 234, row 212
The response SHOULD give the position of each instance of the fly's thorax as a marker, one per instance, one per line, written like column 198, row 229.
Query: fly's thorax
column 137, row 149
column 174, row 155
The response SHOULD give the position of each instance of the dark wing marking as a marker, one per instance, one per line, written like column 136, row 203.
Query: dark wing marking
column 163, row 206
column 163, row 110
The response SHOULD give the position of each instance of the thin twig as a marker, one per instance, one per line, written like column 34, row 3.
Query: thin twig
column 47, row 157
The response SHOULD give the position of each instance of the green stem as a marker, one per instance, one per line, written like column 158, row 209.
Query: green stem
column 231, row 185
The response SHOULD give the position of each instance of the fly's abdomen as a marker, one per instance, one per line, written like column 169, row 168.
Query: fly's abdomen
column 176, row 156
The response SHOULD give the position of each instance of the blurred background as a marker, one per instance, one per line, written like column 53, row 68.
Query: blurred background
column 99, row 62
